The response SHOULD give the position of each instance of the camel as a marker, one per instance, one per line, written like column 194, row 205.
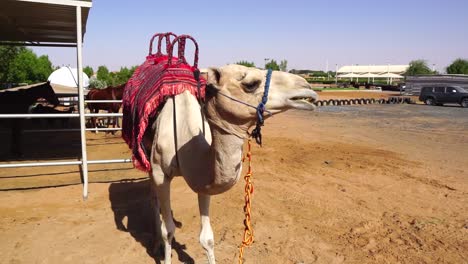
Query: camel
column 207, row 151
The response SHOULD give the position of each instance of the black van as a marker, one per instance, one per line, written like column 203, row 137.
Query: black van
column 440, row 95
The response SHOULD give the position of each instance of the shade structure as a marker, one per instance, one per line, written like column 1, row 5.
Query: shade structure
column 373, row 68
column 55, row 23
column 60, row 90
column 369, row 75
column 67, row 76
column 349, row 75
column 390, row 75
column 42, row 22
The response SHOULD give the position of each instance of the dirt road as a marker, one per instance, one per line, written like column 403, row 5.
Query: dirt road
column 354, row 184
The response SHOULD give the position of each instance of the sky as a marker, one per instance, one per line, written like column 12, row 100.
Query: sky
column 308, row 34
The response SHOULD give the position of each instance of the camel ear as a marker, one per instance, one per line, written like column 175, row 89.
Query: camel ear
column 214, row 76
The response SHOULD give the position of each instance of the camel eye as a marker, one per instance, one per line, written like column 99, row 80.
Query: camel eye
column 251, row 86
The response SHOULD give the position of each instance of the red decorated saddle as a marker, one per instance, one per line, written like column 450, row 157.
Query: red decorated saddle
column 159, row 77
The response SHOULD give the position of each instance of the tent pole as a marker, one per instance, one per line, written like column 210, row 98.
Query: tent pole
column 336, row 74
column 84, row 157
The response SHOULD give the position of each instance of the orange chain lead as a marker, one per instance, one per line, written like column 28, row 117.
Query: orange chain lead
column 248, row 230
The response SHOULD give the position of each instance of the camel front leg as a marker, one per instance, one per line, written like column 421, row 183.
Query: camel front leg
column 206, row 233
column 163, row 194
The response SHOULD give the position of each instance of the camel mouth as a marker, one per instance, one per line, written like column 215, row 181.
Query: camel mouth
column 306, row 99
column 303, row 100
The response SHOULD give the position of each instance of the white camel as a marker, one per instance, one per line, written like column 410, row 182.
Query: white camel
column 211, row 163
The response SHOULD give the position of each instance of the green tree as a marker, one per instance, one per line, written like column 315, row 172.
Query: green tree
column 418, row 67
column 96, row 84
column 272, row 64
column 246, row 63
column 27, row 67
column 123, row 75
column 104, row 75
column 114, row 78
column 294, row 71
column 283, row 65
column 43, row 68
column 89, row 71
column 318, row 73
column 20, row 68
column 7, row 55
column 458, row 66
column 21, row 65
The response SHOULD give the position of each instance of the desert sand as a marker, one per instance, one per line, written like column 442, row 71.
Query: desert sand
column 356, row 184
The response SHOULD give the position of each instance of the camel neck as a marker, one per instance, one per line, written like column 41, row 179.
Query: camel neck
column 220, row 164
column 226, row 155
column 208, row 166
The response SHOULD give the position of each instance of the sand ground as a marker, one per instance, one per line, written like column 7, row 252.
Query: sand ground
column 354, row 184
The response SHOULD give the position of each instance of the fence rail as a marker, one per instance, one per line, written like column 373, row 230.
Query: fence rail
column 62, row 163
column 83, row 162
column 59, row 115
column 102, row 101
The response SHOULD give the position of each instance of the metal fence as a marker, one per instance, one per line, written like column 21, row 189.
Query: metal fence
column 84, row 160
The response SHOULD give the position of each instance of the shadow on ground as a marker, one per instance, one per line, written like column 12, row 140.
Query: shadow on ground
column 130, row 202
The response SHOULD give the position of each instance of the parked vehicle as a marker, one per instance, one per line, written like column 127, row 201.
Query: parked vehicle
column 440, row 95
column 414, row 84
column 402, row 87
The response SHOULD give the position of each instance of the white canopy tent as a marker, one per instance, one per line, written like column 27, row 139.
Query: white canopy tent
column 349, row 75
column 390, row 75
column 377, row 69
column 372, row 71
column 67, row 76
column 369, row 75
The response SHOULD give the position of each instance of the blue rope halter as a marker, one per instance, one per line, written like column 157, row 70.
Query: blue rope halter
column 257, row 131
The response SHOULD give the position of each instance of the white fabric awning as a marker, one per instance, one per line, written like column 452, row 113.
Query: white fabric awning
column 398, row 69
column 369, row 75
column 349, row 75
column 390, row 75
column 67, row 76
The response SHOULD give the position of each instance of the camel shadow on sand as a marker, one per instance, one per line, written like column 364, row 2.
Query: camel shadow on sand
column 130, row 202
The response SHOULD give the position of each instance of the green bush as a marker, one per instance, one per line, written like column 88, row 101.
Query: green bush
column 97, row 84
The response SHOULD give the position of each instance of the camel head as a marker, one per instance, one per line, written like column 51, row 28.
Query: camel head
column 227, row 84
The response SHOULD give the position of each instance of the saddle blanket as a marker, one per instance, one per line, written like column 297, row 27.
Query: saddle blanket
column 146, row 91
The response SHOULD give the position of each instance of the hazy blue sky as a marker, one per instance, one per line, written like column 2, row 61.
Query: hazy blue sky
column 304, row 32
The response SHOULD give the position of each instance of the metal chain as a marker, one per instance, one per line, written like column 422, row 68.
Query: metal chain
column 248, row 238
